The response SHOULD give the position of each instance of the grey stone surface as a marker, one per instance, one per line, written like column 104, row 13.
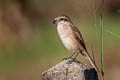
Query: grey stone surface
column 67, row 70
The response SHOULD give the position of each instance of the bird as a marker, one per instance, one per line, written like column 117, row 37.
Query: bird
column 71, row 38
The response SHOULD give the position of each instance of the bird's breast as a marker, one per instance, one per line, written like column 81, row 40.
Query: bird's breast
column 67, row 37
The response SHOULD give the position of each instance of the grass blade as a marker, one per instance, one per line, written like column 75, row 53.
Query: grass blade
column 101, row 40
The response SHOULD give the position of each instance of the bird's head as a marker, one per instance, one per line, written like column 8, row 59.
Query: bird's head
column 61, row 19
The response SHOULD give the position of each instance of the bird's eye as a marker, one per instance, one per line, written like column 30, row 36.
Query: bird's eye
column 63, row 19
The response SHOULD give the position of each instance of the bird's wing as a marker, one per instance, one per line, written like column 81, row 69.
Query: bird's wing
column 78, row 36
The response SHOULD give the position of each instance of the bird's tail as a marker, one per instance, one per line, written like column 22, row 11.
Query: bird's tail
column 91, row 60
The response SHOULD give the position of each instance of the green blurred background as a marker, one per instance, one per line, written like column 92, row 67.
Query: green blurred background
column 29, row 43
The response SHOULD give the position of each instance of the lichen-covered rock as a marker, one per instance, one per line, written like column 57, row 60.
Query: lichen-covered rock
column 67, row 70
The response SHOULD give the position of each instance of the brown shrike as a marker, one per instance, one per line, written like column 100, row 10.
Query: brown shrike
column 71, row 38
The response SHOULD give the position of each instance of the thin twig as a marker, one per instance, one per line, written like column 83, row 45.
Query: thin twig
column 93, row 54
column 114, row 34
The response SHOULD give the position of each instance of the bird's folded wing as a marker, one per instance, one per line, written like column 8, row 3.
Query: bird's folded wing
column 78, row 35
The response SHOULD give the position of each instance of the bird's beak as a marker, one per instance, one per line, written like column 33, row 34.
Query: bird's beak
column 54, row 22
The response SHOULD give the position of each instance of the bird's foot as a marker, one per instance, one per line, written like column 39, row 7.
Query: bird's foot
column 67, row 58
column 71, row 60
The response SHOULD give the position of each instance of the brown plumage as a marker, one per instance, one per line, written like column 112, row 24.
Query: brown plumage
column 72, row 38
column 78, row 36
column 83, row 50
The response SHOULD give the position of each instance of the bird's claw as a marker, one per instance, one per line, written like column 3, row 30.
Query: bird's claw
column 66, row 58
column 70, row 61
